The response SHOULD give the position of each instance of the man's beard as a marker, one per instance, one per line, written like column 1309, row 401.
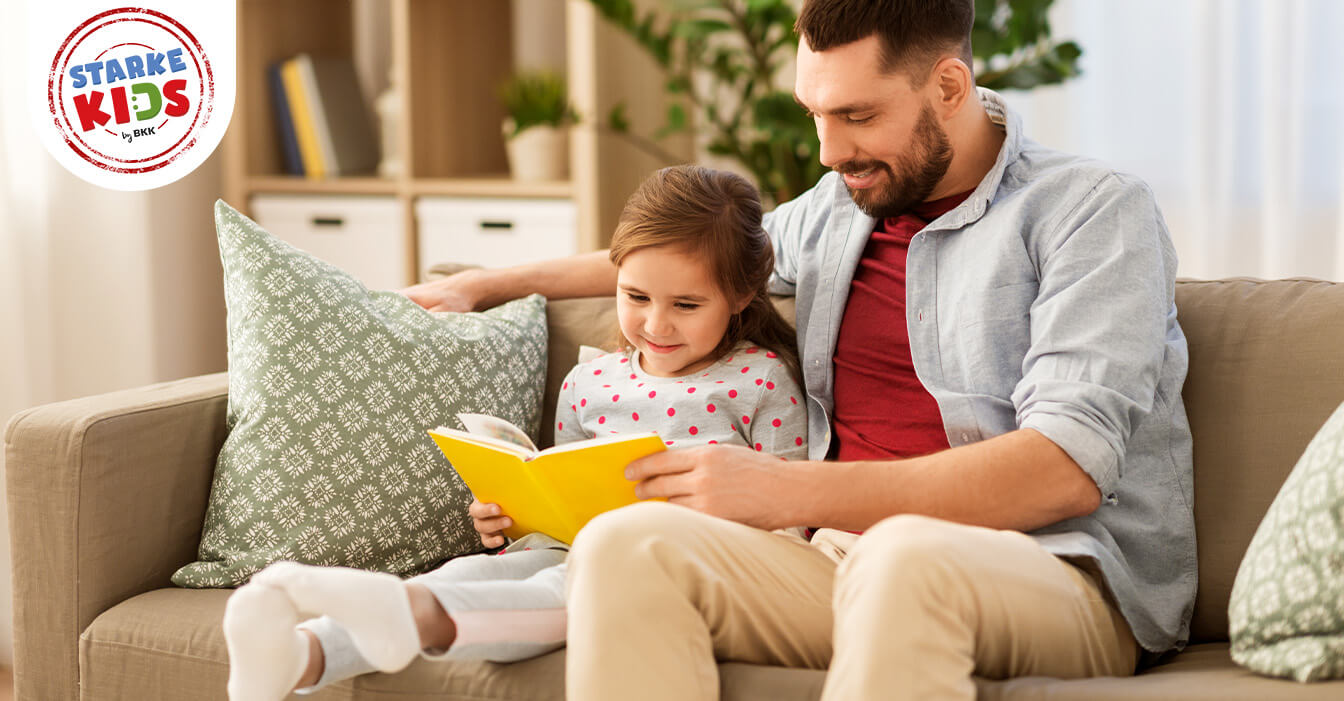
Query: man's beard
column 915, row 175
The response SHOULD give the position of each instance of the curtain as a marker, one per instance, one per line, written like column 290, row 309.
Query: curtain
column 1229, row 109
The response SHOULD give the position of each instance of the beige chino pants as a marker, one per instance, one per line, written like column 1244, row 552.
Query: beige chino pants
column 911, row 610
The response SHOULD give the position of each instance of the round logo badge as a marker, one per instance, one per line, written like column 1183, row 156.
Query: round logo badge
column 130, row 90
column 131, row 98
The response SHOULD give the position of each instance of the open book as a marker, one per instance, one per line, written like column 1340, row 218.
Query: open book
column 554, row 491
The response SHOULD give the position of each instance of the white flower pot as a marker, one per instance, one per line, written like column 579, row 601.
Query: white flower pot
column 538, row 153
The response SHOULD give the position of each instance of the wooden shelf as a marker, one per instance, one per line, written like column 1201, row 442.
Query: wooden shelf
column 447, row 58
column 498, row 186
column 274, row 184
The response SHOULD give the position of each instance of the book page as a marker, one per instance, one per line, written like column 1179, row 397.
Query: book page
column 503, row 446
column 492, row 427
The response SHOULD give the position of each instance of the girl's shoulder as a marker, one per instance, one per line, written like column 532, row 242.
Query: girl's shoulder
column 602, row 368
column 748, row 357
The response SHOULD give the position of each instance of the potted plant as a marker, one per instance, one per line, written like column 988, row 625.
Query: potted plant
column 723, row 57
column 536, row 132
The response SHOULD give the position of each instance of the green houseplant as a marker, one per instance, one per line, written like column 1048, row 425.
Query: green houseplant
column 536, row 130
column 723, row 58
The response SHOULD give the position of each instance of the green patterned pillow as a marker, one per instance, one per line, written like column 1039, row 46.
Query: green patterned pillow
column 331, row 390
column 1286, row 614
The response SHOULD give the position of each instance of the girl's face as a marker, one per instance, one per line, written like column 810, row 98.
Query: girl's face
column 671, row 310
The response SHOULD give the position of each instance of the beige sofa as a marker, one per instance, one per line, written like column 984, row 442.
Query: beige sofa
column 107, row 495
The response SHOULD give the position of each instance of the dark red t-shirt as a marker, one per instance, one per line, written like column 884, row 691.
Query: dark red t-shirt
column 881, row 409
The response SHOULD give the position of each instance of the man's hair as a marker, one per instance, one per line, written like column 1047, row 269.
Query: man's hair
column 914, row 33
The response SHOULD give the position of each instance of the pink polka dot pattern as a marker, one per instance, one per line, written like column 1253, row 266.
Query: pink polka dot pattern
column 769, row 385
column 759, row 382
column 798, row 440
column 692, row 430
column 671, row 411
column 583, row 402
column 615, row 398
column 732, row 393
column 746, row 420
column 710, row 408
column 635, row 416
column 758, row 447
column 653, row 393
column 776, row 423
column 745, row 368
column 597, row 372
column 690, row 390
column 601, row 419
column 560, row 426
column 771, row 354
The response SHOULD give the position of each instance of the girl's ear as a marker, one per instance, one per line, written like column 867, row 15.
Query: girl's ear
column 743, row 304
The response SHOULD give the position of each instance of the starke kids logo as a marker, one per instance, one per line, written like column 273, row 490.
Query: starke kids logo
column 131, row 98
column 129, row 89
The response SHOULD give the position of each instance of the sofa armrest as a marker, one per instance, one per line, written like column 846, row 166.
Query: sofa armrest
column 107, row 495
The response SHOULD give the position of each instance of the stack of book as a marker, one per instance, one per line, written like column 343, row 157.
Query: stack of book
column 323, row 120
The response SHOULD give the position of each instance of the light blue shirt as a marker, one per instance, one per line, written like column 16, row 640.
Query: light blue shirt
column 1044, row 301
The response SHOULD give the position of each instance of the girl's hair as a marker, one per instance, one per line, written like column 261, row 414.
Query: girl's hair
column 715, row 216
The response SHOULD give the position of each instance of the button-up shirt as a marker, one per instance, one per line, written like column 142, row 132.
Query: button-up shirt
column 1046, row 300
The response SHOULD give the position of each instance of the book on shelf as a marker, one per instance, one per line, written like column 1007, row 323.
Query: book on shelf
column 333, row 134
column 284, row 122
column 553, row 491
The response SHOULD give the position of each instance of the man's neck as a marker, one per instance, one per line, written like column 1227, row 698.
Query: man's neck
column 973, row 154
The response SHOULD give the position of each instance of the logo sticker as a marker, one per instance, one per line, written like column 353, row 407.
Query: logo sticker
column 134, row 98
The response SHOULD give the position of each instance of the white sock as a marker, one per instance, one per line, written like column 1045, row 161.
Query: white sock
column 267, row 655
column 371, row 606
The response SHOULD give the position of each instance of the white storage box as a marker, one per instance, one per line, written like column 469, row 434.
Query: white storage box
column 362, row 235
column 494, row 232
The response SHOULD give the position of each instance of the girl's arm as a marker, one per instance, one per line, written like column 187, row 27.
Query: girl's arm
column 779, row 424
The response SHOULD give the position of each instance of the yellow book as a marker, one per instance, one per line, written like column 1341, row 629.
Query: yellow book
column 293, row 75
column 554, row 491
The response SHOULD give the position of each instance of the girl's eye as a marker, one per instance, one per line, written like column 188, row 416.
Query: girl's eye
column 637, row 298
column 687, row 305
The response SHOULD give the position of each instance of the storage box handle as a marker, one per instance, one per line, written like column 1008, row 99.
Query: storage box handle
column 495, row 224
column 328, row 221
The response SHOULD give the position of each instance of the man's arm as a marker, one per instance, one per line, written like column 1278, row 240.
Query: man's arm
column 585, row 275
column 1019, row 480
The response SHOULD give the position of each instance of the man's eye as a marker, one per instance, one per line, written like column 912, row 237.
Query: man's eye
column 859, row 120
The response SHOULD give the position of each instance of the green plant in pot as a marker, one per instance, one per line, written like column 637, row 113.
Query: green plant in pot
column 536, row 130
column 723, row 59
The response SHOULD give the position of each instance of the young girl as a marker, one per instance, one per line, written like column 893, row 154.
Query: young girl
column 704, row 359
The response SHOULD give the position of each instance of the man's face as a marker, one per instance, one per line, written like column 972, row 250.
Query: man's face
column 878, row 132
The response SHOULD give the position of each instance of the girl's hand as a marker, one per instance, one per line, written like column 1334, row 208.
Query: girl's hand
column 490, row 522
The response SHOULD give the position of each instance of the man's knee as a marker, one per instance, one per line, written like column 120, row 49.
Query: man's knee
column 626, row 532
column 908, row 549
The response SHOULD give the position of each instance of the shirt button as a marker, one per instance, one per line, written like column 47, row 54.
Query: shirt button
column 965, row 438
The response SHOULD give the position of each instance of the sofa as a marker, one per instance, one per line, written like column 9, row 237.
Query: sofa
column 107, row 495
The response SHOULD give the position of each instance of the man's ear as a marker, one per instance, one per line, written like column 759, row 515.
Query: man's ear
column 953, row 84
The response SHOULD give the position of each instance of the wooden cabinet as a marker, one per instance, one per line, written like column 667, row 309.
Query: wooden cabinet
column 448, row 57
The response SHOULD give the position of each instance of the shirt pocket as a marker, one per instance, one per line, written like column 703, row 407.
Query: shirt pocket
column 991, row 337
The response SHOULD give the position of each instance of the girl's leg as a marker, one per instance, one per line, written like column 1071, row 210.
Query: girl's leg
column 373, row 621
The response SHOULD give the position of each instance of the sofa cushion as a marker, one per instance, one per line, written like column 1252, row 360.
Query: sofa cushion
column 168, row 644
column 1265, row 372
column 1201, row 673
column 1286, row 618
column 332, row 388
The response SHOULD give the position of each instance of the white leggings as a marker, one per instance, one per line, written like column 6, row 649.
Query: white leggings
column 507, row 607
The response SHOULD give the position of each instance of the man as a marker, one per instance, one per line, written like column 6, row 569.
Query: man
column 993, row 363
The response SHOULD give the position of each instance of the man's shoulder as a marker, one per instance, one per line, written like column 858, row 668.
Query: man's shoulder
column 1046, row 172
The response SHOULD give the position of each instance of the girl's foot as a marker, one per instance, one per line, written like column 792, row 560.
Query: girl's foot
column 371, row 606
column 267, row 655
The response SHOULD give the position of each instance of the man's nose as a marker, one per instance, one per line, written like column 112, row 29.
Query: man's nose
column 836, row 146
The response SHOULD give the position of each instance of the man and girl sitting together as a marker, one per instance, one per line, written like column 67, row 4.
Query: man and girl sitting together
column 981, row 420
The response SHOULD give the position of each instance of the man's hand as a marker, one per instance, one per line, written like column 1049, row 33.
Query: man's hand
column 490, row 521
column 730, row 482
column 456, row 293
